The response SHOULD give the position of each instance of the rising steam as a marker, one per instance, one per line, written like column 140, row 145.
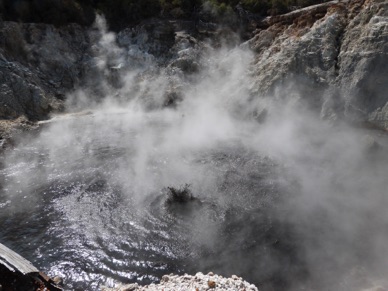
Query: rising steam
column 288, row 201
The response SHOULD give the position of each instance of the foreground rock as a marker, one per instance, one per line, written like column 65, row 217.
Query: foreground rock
column 199, row 282
column 18, row 274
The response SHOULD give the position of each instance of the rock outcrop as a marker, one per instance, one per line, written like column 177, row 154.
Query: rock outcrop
column 39, row 64
column 362, row 63
column 332, row 55
column 17, row 273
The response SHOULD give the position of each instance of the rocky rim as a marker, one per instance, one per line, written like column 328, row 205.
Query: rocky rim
column 198, row 282
column 332, row 56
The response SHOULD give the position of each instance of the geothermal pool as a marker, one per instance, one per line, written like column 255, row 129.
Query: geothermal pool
column 289, row 201
column 85, row 198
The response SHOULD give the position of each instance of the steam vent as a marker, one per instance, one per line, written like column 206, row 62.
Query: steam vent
column 193, row 145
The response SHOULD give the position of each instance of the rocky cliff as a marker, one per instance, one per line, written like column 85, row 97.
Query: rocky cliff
column 333, row 56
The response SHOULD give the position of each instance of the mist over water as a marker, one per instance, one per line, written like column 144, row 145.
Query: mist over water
column 289, row 203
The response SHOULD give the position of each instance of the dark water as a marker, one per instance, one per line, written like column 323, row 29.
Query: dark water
column 70, row 207
column 86, row 200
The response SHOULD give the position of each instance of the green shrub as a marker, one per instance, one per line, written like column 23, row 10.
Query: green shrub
column 179, row 8
column 217, row 11
column 57, row 12
column 121, row 13
column 254, row 6
column 279, row 7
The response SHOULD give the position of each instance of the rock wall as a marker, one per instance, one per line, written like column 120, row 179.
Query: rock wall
column 333, row 55
column 39, row 64
column 363, row 63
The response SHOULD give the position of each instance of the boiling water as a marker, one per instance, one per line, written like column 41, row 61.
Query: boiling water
column 92, row 206
column 75, row 207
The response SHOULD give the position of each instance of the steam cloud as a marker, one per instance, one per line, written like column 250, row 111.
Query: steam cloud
column 292, row 203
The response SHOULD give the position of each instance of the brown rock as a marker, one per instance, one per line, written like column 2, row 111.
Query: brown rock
column 211, row 284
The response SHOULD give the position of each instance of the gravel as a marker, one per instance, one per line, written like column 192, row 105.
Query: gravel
column 199, row 282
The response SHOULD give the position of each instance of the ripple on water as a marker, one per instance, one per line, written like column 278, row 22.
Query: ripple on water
column 83, row 219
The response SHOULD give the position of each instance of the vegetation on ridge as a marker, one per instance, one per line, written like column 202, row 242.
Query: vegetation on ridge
column 121, row 13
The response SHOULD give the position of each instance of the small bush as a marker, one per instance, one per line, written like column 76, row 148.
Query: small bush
column 121, row 13
column 254, row 6
column 57, row 12
column 179, row 8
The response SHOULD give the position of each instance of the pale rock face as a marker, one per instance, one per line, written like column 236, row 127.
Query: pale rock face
column 300, row 60
column 338, row 65
column 363, row 62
